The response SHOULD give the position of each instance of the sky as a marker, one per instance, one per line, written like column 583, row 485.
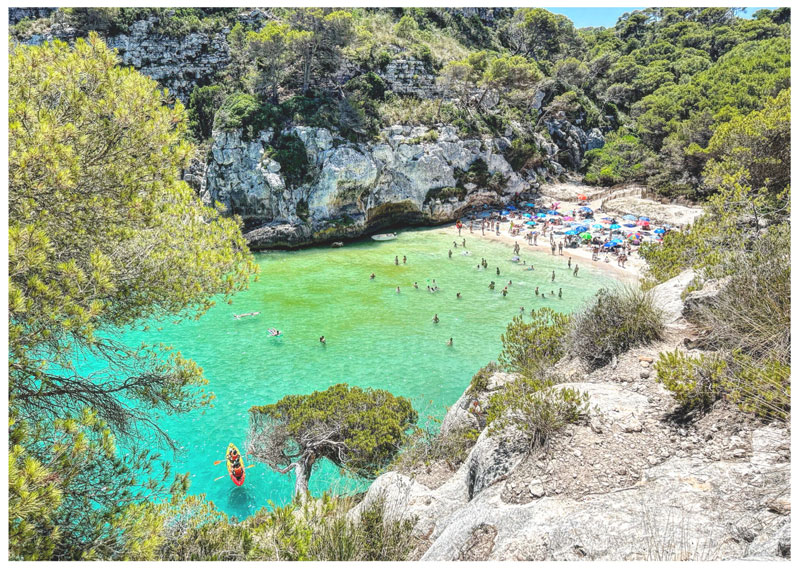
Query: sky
column 606, row 17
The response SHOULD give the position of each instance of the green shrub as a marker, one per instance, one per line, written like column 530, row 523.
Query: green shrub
column 443, row 193
column 480, row 380
column 290, row 152
column 203, row 105
column 245, row 112
column 759, row 386
column 529, row 347
column 428, row 445
column 618, row 320
column 524, row 155
column 477, row 173
column 695, row 381
column 536, row 408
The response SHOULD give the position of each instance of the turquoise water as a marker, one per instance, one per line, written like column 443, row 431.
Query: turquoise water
column 375, row 338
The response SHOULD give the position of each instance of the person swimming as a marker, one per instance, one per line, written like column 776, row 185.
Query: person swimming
column 322, row 339
column 498, row 271
column 274, row 332
column 398, row 289
column 458, row 295
column 505, row 291
column 450, row 342
column 559, row 292
column 537, row 290
column 491, row 285
column 372, row 276
column 435, row 318
column 415, row 286
column 509, row 282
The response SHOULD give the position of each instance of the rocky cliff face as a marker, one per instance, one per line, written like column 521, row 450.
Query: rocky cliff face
column 409, row 177
column 630, row 483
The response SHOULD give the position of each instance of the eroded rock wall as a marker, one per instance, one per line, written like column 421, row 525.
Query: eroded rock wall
column 353, row 189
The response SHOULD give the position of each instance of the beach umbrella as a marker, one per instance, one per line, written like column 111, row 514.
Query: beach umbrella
column 504, row 213
column 642, row 223
column 610, row 244
column 598, row 226
column 541, row 215
column 528, row 215
column 615, row 226
column 587, row 209
column 582, row 228
column 606, row 219
column 629, row 217
column 582, row 197
column 511, row 208
column 586, row 236
column 568, row 218
column 572, row 232
column 630, row 225
column 636, row 236
column 530, row 223
column 660, row 231
column 644, row 219
column 530, row 205
column 552, row 212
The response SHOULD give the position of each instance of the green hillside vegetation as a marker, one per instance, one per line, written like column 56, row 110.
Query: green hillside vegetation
column 693, row 102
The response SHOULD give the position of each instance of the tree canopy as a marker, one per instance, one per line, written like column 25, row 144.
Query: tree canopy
column 360, row 430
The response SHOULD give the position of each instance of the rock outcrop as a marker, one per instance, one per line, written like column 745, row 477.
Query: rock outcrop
column 409, row 177
column 628, row 483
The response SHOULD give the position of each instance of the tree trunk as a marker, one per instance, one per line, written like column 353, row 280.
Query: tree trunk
column 302, row 473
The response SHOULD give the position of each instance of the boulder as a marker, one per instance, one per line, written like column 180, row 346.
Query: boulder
column 695, row 302
column 667, row 296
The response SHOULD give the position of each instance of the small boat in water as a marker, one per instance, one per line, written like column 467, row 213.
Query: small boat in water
column 384, row 237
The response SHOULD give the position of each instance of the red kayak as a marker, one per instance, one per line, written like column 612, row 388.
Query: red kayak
column 238, row 481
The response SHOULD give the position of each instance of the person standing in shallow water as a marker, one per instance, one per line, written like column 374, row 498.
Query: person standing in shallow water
column 450, row 342
column 396, row 261
column 575, row 272
column 559, row 292
column 450, row 253
column 553, row 277
column 435, row 318
column 569, row 262
column 372, row 276
column 404, row 259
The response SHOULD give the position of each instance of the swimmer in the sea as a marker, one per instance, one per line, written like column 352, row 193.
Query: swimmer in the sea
column 435, row 318
column 372, row 276
column 450, row 342
column 398, row 289
column 458, row 295
column 559, row 292
column 322, row 339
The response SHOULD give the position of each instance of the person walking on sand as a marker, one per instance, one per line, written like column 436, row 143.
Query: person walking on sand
column 552, row 248
column 535, row 238
column 561, row 249
column 483, row 228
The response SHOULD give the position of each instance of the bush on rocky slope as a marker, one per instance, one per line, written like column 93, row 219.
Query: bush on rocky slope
column 618, row 320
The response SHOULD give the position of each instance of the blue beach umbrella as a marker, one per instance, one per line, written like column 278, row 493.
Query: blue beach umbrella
column 630, row 224
column 615, row 226
column 528, row 215
column 541, row 215
column 660, row 231
column 584, row 208
column 531, row 223
column 644, row 219
column 552, row 212
column 598, row 226
column 530, row 205
column 582, row 228
column 512, row 208
column 504, row 213
column 572, row 232
column 629, row 217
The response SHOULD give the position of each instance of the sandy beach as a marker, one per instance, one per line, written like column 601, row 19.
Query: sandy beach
column 567, row 196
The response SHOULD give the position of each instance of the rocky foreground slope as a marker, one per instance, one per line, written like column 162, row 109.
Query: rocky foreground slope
column 632, row 482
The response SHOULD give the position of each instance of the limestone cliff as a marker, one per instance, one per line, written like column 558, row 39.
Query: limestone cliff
column 410, row 176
